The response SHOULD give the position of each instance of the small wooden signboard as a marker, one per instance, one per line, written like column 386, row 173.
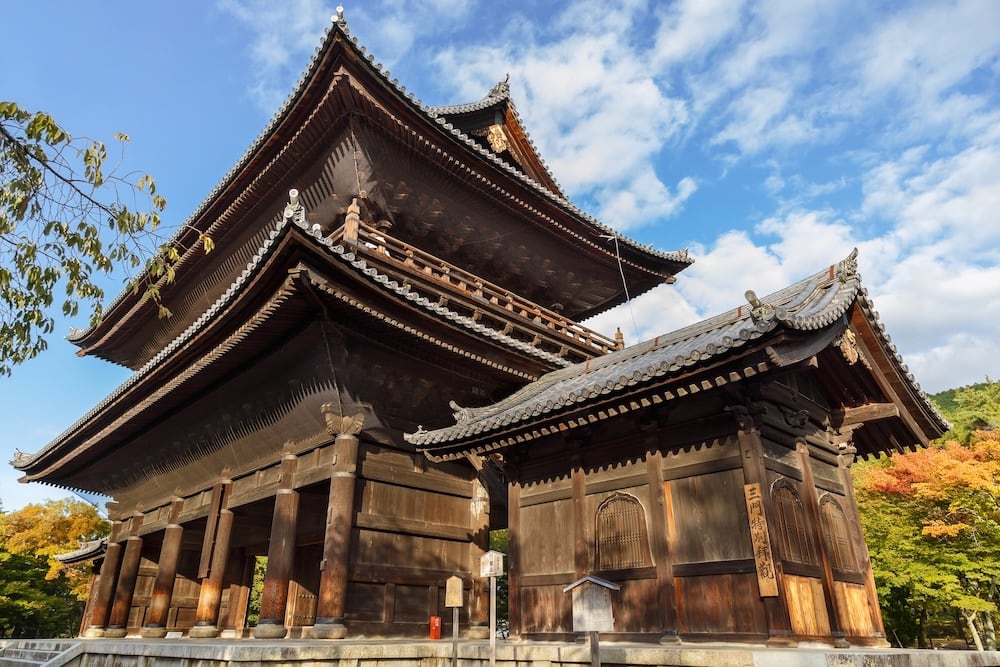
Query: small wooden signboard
column 491, row 564
column 453, row 592
column 592, row 610
column 766, row 580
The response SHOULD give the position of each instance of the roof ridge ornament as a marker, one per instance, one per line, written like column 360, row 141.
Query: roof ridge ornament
column 759, row 311
column 501, row 89
column 848, row 268
column 339, row 18
column 294, row 210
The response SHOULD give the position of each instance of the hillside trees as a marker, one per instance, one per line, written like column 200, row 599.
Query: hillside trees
column 932, row 523
column 67, row 218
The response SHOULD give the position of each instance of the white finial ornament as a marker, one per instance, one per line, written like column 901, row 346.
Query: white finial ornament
column 340, row 13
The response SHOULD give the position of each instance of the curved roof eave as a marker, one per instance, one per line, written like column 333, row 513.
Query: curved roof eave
column 432, row 114
column 296, row 220
column 808, row 305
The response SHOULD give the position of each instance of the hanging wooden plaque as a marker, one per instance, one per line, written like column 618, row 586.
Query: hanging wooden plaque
column 766, row 580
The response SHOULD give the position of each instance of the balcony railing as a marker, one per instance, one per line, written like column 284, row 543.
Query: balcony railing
column 482, row 299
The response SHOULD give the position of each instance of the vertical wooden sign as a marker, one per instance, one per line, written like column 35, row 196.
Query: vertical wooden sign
column 766, row 580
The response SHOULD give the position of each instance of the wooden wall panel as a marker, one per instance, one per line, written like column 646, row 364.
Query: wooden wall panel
column 718, row 604
column 855, row 614
column 710, row 518
column 411, row 604
column 546, row 609
column 634, row 606
column 365, row 602
column 548, row 547
column 413, row 504
column 381, row 548
column 806, row 606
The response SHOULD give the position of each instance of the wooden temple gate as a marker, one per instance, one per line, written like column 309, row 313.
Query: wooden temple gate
column 379, row 266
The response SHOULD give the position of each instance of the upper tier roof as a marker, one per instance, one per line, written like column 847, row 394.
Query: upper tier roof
column 479, row 152
column 829, row 301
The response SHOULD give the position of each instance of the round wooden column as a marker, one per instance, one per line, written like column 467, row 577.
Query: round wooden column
column 332, row 598
column 105, row 587
column 210, row 597
column 118, row 622
column 280, row 556
column 166, row 570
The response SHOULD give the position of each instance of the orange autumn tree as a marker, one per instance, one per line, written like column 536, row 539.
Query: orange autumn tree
column 932, row 522
column 50, row 528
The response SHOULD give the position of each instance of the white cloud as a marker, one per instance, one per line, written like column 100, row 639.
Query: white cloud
column 283, row 36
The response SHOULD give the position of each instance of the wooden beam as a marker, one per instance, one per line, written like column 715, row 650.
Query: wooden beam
column 865, row 413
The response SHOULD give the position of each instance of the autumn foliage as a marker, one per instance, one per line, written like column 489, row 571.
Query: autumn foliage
column 932, row 523
column 40, row 597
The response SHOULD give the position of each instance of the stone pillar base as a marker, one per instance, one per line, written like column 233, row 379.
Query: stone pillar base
column 478, row 632
column 669, row 638
column 93, row 632
column 781, row 641
column 115, row 633
column 203, row 632
column 153, row 632
column 327, row 631
column 270, row 631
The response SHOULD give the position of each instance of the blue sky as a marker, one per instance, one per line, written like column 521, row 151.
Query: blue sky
column 768, row 138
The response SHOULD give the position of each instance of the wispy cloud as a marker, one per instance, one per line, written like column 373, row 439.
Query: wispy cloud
column 834, row 124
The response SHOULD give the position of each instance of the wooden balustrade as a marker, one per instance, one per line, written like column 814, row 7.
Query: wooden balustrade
column 389, row 250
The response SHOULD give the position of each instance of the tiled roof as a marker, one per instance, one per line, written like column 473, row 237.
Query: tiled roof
column 808, row 305
column 86, row 551
column 434, row 114
column 295, row 218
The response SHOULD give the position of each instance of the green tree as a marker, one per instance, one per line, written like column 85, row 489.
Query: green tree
column 51, row 528
column 66, row 219
column 932, row 523
column 39, row 597
column 970, row 409
column 32, row 605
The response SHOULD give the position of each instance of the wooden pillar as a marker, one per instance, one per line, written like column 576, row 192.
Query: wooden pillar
column 280, row 556
column 846, row 459
column 217, row 536
column 479, row 605
column 332, row 599
column 812, row 505
column 105, row 584
column 658, row 513
column 779, row 625
column 578, row 479
column 155, row 626
column 122, row 606
column 514, row 557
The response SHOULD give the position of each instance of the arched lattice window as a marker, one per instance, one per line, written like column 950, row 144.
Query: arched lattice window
column 836, row 535
column 621, row 534
column 796, row 543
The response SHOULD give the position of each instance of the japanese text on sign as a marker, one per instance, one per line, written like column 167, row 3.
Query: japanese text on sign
column 766, row 580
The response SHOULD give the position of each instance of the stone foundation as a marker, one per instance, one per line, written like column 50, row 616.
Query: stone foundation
column 402, row 653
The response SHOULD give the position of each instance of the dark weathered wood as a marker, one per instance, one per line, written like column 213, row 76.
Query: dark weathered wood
column 580, row 551
column 105, row 586
column 861, row 548
column 514, row 557
column 280, row 557
column 812, row 507
column 660, row 547
column 779, row 626
column 120, row 610
column 166, row 570
column 330, row 605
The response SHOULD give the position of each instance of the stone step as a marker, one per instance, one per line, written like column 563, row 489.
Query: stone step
column 19, row 653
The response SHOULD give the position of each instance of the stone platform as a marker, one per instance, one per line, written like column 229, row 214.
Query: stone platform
column 408, row 653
